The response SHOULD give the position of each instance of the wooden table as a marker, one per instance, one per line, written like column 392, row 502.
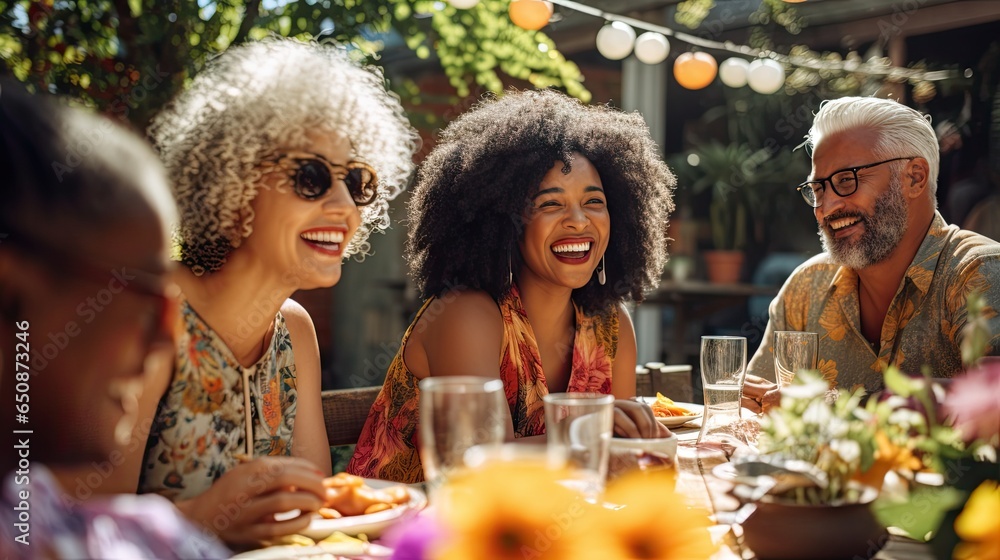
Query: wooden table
column 694, row 300
column 696, row 482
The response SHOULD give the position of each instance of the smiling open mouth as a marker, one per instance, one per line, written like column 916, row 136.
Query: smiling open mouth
column 841, row 223
column 327, row 242
column 572, row 252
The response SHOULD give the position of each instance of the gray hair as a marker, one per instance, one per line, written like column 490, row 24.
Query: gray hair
column 902, row 131
column 252, row 100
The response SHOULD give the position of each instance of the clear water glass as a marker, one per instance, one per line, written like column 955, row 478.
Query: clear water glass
column 723, row 371
column 456, row 414
column 794, row 351
column 580, row 426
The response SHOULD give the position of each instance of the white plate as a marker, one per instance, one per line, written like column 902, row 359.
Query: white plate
column 371, row 524
column 328, row 550
column 676, row 421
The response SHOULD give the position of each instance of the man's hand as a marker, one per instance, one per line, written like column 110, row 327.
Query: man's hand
column 759, row 394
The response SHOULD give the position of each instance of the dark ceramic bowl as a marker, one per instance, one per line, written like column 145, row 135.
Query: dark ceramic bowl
column 786, row 531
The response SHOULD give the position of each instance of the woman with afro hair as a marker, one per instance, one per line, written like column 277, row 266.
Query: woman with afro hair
column 533, row 219
column 283, row 156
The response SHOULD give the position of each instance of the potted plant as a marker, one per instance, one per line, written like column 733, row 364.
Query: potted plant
column 914, row 426
column 744, row 185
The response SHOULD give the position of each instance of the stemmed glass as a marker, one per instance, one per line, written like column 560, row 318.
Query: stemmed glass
column 457, row 413
column 793, row 351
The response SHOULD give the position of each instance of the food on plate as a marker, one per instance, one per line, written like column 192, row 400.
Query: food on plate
column 291, row 540
column 348, row 495
column 664, row 408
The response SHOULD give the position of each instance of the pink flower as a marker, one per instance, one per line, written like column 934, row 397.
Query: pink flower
column 972, row 403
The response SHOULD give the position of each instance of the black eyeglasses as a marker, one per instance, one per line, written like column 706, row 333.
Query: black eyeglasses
column 843, row 182
column 313, row 176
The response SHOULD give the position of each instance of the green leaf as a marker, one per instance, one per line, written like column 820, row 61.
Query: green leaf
column 921, row 513
column 898, row 383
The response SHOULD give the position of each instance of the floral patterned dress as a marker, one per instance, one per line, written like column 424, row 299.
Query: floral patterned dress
column 388, row 448
column 214, row 406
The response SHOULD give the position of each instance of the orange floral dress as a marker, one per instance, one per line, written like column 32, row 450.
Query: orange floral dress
column 388, row 448
column 924, row 325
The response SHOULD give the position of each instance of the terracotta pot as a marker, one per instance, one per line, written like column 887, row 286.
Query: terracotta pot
column 780, row 531
column 724, row 267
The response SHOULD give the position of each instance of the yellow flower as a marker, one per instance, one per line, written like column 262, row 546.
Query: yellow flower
column 979, row 524
column 653, row 522
column 514, row 510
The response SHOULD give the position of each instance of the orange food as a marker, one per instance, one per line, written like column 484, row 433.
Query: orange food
column 348, row 495
column 665, row 408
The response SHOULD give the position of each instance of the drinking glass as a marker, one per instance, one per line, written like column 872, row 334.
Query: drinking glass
column 793, row 351
column 580, row 425
column 457, row 413
column 723, row 369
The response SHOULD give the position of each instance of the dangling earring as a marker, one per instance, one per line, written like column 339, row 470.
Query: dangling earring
column 510, row 272
column 601, row 276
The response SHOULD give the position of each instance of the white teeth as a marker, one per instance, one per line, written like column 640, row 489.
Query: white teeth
column 843, row 222
column 324, row 236
column 572, row 247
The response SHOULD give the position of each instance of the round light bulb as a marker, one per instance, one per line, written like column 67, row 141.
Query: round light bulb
column 765, row 76
column 695, row 70
column 651, row 48
column 615, row 40
column 733, row 72
column 530, row 14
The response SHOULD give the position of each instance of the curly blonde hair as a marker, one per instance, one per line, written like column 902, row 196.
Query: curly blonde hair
column 254, row 99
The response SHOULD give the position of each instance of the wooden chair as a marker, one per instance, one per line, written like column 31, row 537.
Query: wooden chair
column 345, row 411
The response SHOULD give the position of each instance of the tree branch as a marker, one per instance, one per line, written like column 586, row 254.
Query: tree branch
column 249, row 18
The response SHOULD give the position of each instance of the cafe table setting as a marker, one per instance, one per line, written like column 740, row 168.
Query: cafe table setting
column 910, row 475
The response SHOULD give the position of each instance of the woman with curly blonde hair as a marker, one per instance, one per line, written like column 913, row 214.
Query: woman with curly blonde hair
column 284, row 156
column 533, row 220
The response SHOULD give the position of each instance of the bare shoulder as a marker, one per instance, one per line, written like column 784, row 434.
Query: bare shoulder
column 458, row 332
column 297, row 319
column 471, row 310
column 624, row 318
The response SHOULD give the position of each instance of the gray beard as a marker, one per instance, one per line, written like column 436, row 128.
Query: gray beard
column 884, row 228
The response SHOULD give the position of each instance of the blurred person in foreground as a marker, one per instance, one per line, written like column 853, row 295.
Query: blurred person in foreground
column 892, row 283
column 533, row 220
column 283, row 156
column 86, row 299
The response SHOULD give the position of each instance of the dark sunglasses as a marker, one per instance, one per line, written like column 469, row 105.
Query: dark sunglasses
column 163, row 318
column 313, row 175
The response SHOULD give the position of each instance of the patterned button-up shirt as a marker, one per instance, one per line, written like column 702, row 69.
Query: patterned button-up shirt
column 924, row 323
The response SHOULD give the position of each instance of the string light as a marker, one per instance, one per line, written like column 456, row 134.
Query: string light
column 875, row 68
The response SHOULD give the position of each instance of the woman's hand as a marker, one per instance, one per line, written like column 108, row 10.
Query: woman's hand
column 241, row 506
column 636, row 420
column 759, row 394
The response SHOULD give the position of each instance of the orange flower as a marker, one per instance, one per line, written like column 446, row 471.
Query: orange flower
column 654, row 522
column 888, row 457
column 510, row 511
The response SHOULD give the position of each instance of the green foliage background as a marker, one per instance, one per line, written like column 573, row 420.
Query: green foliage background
column 129, row 57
